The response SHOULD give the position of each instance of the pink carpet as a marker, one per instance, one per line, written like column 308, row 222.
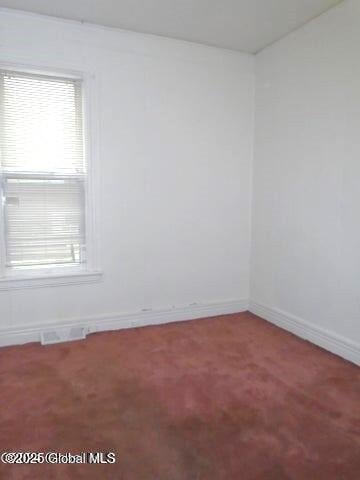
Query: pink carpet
column 229, row 398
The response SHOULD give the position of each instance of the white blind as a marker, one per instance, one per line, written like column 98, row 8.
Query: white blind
column 43, row 169
column 41, row 123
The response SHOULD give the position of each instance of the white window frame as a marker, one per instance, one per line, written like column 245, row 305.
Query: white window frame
column 89, row 272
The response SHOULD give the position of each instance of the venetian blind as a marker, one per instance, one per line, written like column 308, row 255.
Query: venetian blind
column 43, row 169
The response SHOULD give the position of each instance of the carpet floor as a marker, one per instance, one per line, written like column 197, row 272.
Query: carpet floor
column 227, row 398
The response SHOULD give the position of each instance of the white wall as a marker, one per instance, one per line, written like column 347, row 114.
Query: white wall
column 175, row 135
column 306, row 228
column 175, row 131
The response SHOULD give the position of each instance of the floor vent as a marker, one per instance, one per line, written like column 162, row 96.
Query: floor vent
column 63, row 335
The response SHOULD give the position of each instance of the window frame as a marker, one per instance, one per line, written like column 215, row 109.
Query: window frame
column 88, row 272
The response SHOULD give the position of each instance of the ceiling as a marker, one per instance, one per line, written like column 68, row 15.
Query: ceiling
column 245, row 25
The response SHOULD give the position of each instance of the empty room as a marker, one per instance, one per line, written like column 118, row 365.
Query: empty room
column 179, row 240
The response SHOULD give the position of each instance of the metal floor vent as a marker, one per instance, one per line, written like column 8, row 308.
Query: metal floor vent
column 63, row 335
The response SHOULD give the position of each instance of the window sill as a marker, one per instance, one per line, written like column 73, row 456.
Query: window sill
column 19, row 282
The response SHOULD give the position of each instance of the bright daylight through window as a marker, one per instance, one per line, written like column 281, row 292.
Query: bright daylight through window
column 42, row 171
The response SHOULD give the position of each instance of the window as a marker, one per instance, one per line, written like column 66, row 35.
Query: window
column 43, row 174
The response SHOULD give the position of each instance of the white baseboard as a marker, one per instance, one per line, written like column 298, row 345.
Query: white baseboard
column 326, row 339
column 32, row 333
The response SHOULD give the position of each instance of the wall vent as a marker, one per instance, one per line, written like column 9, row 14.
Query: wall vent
column 63, row 335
